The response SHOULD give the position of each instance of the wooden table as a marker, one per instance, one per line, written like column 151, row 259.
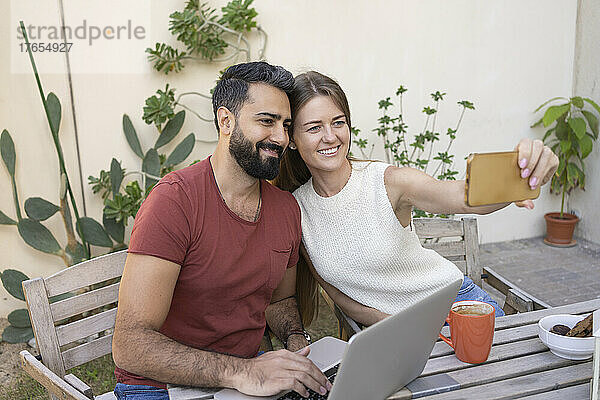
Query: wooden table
column 519, row 366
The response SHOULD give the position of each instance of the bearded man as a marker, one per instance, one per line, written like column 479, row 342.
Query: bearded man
column 212, row 259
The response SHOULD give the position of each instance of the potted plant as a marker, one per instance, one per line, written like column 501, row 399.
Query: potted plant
column 571, row 135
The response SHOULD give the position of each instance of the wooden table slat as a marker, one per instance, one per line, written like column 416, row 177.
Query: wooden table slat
column 507, row 369
column 503, row 336
column 531, row 317
column 519, row 364
column 571, row 392
column 501, row 352
column 524, row 385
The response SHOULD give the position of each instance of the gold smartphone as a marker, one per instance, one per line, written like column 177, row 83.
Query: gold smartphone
column 496, row 178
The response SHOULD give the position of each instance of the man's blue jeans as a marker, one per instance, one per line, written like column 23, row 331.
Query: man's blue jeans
column 470, row 291
column 140, row 392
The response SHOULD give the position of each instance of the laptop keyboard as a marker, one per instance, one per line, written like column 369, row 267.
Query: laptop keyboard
column 312, row 395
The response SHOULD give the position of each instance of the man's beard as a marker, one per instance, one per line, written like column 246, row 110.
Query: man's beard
column 248, row 156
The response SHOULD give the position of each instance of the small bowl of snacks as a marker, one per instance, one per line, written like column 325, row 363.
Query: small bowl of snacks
column 567, row 336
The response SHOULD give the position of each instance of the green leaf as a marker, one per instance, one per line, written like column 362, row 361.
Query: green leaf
column 572, row 174
column 553, row 112
column 116, row 176
column 565, row 145
column 19, row 318
column 54, row 113
column 592, row 103
column 151, row 165
column 77, row 253
column 538, row 122
column 182, row 150
column 38, row 236
column 578, row 126
column 548, row 133
column 11, row 280
column 12, row 334
column 592, row 121
column 562, row 130
column 577, row 101
column 131, row 136
column 159, row 107
column 93, row 232
column 39, row 209
column 7, row 148
column 585, row 145
column 115, row 229
column 581, row 178
column 6, row 220
column 171, row 129
column 561, row 166
column 551, row 100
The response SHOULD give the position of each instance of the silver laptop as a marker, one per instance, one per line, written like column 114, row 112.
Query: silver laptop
column 379, row 360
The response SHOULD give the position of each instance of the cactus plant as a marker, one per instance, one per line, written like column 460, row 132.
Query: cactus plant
column 19, row 329
column 37, row 210
column 121, row 203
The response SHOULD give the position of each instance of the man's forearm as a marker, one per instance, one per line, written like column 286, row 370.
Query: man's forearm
column 283, row 317
column 150, row 354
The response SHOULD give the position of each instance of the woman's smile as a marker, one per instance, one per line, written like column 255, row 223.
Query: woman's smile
column 329, row 152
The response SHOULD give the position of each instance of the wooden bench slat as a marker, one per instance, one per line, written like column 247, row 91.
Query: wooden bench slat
column 524, row 385
column 462, row 265
column 85, row 302
column 471, row 244
column 434, row 227
column 52, row 382
column 518, row 301
column 87, row 351
column 96, row 270
column 447, row 249
column 503, row 285
column 86, row 327
column 498, row 353
column 43, row 325
column 79, row 385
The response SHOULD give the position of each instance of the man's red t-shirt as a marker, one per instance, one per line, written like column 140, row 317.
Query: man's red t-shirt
column 229, row 266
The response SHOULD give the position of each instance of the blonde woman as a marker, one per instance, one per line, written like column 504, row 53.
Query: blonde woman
column 356, row 215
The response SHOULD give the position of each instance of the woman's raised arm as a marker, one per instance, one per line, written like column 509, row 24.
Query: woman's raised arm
column 409, row 187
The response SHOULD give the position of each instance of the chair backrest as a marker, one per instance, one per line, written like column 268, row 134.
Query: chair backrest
column 78, row 328
column 458, row 242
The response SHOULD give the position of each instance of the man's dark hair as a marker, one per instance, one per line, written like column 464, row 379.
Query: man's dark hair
column 232, row 89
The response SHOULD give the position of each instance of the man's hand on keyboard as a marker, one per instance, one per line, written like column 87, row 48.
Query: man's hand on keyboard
column 276, row 371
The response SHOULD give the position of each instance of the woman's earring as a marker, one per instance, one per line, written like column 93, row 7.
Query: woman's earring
column 293, row 146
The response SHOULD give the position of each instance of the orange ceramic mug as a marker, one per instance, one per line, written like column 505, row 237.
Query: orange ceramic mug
column 471, row 329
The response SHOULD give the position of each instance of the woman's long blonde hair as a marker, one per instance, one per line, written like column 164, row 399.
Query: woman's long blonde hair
column 294, row 173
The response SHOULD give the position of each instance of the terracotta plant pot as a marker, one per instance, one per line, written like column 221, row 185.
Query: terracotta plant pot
column 559, row 231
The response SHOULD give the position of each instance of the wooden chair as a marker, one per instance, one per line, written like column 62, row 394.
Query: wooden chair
column 74, row 330
column 458, row 241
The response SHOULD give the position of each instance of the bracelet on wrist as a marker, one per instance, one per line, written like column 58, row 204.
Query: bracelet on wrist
column 296, row 332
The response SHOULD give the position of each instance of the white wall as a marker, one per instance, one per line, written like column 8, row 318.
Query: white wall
column 587, row 84
column 505, row 57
